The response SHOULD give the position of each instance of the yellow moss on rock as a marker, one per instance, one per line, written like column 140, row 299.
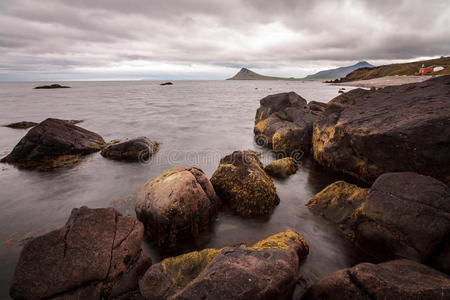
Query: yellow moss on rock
column 282, row 240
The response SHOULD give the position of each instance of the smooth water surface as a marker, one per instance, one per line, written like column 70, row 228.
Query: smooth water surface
column 196, row 122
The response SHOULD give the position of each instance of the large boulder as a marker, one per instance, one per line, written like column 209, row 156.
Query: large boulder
column 403, row 214
column 281, row 168
column 398, row 128
column 399, row 279
column 176, row 205
column 96, row 255
column 138, row 149
column 285, row 122
column 241, row 181
column 53, row 143
column 350, row 97
column 267, row 270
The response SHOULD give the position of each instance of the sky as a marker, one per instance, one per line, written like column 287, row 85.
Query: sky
column 209, row 39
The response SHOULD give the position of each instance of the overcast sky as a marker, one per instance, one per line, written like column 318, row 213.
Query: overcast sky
column 209, row 39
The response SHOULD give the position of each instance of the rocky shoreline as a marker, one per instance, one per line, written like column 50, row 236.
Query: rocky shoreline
column 397, row 139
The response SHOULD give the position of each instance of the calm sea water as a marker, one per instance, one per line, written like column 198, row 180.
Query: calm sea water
column 196, row 122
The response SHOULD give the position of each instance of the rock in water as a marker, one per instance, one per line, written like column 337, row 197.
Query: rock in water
column 241, row 181
column 176, row 205
column 139, row 149
column 52, row 86
column 53, row 143
column 267, row 270
column 166, row 83
column 399, row 279
column 403, row 214
column 285, row 122
column 96, row 255
column 398, row 128
column 21, row 125
column 282, row 168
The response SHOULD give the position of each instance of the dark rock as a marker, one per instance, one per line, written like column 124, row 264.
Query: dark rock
column 241, row 181
column 402, row 214
column 21, row 125
column 139, row 149
column 53, row 143
column 267, row 270
column 282, row 168
column 351, row 97
column 96, row 255
column 176, row 205
column 398, row 128
column 285, row 122
column 166, row 83
column 399, row 279
column 52, row 86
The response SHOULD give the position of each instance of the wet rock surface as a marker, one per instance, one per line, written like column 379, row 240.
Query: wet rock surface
column 398, row 128
column 96, row 255
column 281, row 168
column 177, row 205
column 399, row 279
column 285, row 122
column 53, row 143
column 21, row 125
column 267, row 270
column 138, row 149
column 241, row 182
column 403, row 214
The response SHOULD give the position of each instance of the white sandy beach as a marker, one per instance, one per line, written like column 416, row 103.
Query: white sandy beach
column 384, row 81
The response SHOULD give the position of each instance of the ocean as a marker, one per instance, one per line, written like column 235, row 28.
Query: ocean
column 196, row 123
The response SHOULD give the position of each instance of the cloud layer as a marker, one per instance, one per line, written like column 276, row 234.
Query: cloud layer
column 64, row 39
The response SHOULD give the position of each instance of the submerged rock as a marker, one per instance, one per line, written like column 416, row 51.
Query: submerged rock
column 267, row 270
column 52, row 86
column 285, row 122
column 398, row 128
column 282, row 168
column 138, row 149
column 241, row 181
column 399, row 279
column 21, row 125
column 176, row 205
column 53, row 143
column 96, row 255
column 402, row 214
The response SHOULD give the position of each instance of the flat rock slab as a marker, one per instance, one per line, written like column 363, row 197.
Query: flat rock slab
column 399, row 279
column 52, row 86
column 96, row 255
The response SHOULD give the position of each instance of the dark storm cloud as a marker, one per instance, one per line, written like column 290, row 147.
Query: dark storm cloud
column 135, row 37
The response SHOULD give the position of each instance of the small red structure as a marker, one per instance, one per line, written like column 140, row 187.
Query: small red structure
column 425, row 71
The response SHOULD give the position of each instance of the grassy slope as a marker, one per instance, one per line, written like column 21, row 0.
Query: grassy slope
column 398, row 69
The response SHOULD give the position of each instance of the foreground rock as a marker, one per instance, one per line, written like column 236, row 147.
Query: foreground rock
column 53, row 143
column 138, row 149
column 52, row 86
column 176, row 205
column 402, row 214
column 398, row 128
column 96, row 255
column 285, row 122
column 350, row 98
column 399, row 279
column 282, row 168
column 241, row 181
column 267, row 270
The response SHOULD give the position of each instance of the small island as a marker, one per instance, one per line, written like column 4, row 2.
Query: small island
column 52, row 86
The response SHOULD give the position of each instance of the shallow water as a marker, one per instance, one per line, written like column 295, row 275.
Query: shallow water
column 196, row 122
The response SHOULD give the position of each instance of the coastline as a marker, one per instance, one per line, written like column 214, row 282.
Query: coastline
column 385, row 81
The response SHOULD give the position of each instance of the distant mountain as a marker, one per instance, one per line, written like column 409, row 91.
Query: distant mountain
column 246, row 74
column 339, row 72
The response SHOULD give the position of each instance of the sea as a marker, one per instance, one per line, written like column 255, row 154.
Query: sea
column 196, row 123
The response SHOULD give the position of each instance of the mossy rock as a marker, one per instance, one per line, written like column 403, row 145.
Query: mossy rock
column 241, row 181
column 282, row 168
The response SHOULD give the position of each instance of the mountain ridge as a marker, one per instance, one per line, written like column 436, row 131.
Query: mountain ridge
column 339, row 72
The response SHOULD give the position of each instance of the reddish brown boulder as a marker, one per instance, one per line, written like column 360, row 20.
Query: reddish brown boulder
column 96, row 255
column 399, row 279
column 267, row 270
column 398, row 128
column 176, row 205
column 53, row 143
